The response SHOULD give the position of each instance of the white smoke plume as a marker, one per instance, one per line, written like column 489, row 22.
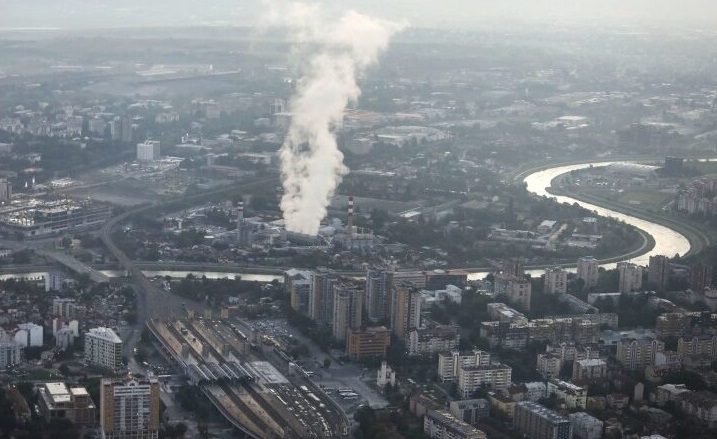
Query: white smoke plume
column 337, row 52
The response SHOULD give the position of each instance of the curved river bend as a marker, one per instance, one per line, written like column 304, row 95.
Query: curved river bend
column 667, row 241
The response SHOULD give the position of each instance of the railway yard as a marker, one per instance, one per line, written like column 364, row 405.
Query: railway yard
column 249, row 391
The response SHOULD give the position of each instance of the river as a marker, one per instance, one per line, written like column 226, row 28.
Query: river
column 667, row 241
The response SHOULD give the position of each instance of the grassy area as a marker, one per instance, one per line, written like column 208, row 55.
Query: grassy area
column 645, row 199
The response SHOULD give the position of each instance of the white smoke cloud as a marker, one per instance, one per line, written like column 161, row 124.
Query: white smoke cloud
column 337, row 52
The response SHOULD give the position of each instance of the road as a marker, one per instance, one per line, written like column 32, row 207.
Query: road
column 152, row 301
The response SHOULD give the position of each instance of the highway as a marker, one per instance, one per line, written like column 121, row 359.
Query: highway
column 154, row 302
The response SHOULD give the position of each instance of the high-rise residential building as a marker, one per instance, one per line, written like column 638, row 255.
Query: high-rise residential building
column 514, row 267
column 585, row 426
column 700, row 276
column 637, row 354
column 405, row 310
column 298, row 287
column 588, row 271
column 116, row 128
column 29, row 334
column 5, row 190
column 371, row 342
column 658, row 273
column 321, row 296
column 54, row 281
column 127, row 127
column 379, row 284
column 491, row 376
column 556, row 281
column 440, row 424
column 630, row 277
column 129, row 409
column 148, row 151
column 703, row 346
column 516, row 289
column 538, row 422
column 449, row 363
column 57, row 401
column 348, row 310
column 63, row 308
column 103, row 348
column 10, row 351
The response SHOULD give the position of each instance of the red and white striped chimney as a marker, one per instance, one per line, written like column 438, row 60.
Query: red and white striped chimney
column 350, row 221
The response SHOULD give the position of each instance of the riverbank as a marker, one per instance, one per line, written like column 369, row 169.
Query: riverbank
column 698, row 239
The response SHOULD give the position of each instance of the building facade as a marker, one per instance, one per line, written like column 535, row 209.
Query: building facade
column 491, row 376
column 537, row 422
column 371, row 342
column 129, row 409
column 588, row 271
column 103, row 348
column 440, row 424
column 148, row 151
column 430, row 341
column 556, row 281
column 630, row 277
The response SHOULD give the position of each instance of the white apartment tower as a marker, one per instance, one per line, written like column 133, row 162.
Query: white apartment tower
column 103, row 348
column 149, row 151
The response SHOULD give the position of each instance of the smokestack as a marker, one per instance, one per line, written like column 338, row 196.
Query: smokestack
column 336, row 52
column 350, row 220
column 240, row 213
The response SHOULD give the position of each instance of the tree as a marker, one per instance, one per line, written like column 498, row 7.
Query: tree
column 327, row 363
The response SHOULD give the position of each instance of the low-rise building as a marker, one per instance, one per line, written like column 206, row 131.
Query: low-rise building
column 440, row 424
column 669, row 392
column 700, row 405
column 502, row 406
column 371, row 342
column 470, row 410
column 74, row 404
column 549, row 365
column 449, row 363
column 429, row 341
column 575, row 397
column 491, row 376
column 585, row 426
column 589, row 370
column 503, row 313
column 538, row 422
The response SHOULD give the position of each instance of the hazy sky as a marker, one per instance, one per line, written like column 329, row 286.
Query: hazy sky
column 432, row 13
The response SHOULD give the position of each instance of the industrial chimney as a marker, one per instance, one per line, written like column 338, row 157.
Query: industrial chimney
column 240, row 213
column 350, row 220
